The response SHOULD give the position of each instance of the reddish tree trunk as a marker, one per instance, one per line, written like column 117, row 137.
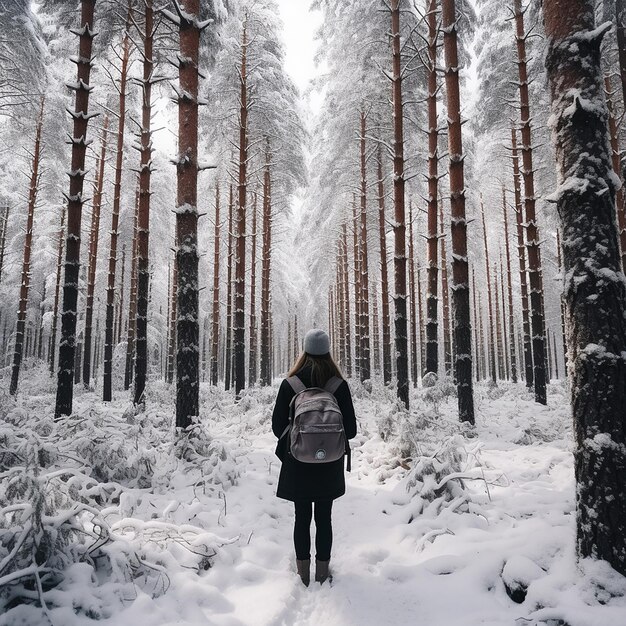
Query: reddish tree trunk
column 266, row 359
column 399, row 227
column 252, row 366
column 413, row 304
column 532, row 232
column 81, row 116
column 445, row 296
column 229, row 297
column 28, row 244
column 366, row 363
column 346, row 291
column 215, row 321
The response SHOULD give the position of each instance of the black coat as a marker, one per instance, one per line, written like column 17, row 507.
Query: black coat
column 307, row 481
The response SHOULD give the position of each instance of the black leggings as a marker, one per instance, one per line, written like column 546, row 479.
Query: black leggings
column 323, row 530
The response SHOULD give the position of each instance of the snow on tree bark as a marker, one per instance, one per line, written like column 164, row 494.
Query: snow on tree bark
column 132, row 301
column 595, row 286
column 460, row 270
column 491, row 344
column 215, row 317
column 28, row 245
column 366, row 361
column 253, row 334
column 57, row 290
column 266, row 266
column 509, row 279
column 79, row 141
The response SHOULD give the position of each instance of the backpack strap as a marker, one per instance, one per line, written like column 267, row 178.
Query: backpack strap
column 333, row 384
column 296, row 384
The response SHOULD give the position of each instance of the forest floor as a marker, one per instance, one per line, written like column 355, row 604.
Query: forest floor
column 435, row 525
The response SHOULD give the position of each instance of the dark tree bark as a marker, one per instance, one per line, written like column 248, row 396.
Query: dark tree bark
column 477, row 344
column 57, row 291
column 143, row 217
column 109, row 338
column 358, row 318
column 532, row 232
column 93, row 255
column 399, row 227
column 560, row 266
column 460, row 271
column 132, row 303
column 79, row 141
column 120, row 303
column 3, row 237
column 596, row 308
column 384, row 272
column 215, row 318
column 239, row 318
column 253, row 356
column 432, row 304
column 228, row 352
column 171, row 346
column 415, row 322
column 266, row 368
column 521, row 253
column 28, row 245
column 491, row 344
column 366, row 361
column 509, row 279
column 187, row 327
column 445, row 298
column 498, row 326
column 375, row 330
column 346, row 292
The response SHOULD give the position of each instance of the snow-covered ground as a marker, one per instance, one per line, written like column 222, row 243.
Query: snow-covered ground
column 435, row 521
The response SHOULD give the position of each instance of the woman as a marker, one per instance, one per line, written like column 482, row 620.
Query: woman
column 308, row 484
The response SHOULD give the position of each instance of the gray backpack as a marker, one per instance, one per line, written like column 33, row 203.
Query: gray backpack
column 316, row 433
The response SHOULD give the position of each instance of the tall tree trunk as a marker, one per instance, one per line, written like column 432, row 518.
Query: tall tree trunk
column 619, row 197
column 375, row 330
column 432, row 304
column 460, row 271
column 358, row 318
column 510, row 288
column 491, row 344
column 3, row 237
column 560, row 266
column 143, row 219
column 239, row 327
column 187, row 328
column 620, row 21
column 28, row 245
column 81, row 116
column 132, row 303
column 498, row 325
column 399, row 227
column 341, row 305
column 366, row 360
column 93, row 255
column 479, row 355
column 107, row 383
column 384, row 273
column 215, row 318
column 120, row 302
column 266, row 359
column 413, row 304
column 253, row 356
column 171, row 358
column 229, row 296
column 521, row 251
column 346, row 291
column 445, row 296
column 532, row 232
column 57, row 290
column 596, row 309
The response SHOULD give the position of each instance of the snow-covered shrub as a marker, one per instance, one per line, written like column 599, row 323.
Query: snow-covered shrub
column 437, row 392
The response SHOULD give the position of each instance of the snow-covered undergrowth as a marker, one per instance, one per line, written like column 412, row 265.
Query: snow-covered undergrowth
column 107, row 515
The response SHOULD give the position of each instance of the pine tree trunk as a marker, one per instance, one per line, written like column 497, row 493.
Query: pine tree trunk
column 28, row 245
column 81, row 116
column 252, row 363
column 215, row 318
column 596, row 309
column 510, row 289
column 266, row 352
column 120, row 303
column 532, row 232
column 506, row 349
column 341, row 322
column 619, row 197
column 93, row 255
column 620, row 21
column 560, row 266
column 521, row 251
column 358, row 319
column 399, row 227
column 239, row 328
column 187, row 328
column 143, row 220
column 491, row 344
column 229, row 297
column 413, row 303
column 376, row 330
column 432, row 304
column 384, row 273
column 445, row 296
column 109, row 337
column 3, row 237
column 366, row 360
column 57, row 291
column 132, row 303
column 479, row 355
column 346, row 291
column 460, row 271
column 498, row 325
column 171, row 358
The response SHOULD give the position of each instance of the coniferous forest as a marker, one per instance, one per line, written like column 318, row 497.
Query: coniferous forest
column 187, row 187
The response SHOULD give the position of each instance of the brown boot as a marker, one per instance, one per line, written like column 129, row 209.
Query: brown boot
column 304, row 571
column 321, row 571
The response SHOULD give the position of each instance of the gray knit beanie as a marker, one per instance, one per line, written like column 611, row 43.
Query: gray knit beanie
column 316, row 342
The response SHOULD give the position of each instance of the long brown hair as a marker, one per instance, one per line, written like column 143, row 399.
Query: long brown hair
column 323, row 368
